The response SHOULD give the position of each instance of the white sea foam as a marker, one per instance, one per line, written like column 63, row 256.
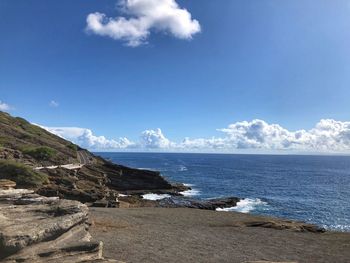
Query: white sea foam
column 189, row 185
column 338, row 227
column 154, row 197
column 245, row 205
column 182, row 168
column 192, row 192
column 122, row 195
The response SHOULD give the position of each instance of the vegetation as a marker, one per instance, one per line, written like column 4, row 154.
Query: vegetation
column 21, row 174
column 72, row 147
column 22, row 136
column 43, row 153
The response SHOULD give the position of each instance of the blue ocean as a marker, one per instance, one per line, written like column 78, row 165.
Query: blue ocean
column 314, row 189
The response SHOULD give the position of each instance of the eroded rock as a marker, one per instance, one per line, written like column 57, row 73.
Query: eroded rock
column 34, row 228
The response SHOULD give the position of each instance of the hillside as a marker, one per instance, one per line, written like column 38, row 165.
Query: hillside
column 20, row 139
column 24, row 147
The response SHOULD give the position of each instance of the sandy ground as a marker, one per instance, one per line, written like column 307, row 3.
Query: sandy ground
column 189, row 235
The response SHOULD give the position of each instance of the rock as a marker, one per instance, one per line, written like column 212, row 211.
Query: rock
column 270, row 261
column 10, row 194
column 7, row 184
column 34, row 228
column 10, row 154
column 176, row 201
column 285, row 225
column 105, row 203
column 210, row 204
column 103, row 181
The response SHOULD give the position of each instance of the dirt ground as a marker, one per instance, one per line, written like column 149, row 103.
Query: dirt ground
column 168, row 235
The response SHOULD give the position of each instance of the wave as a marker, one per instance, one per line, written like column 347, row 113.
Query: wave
column 122, row 195
column 182, row 168
column 149, row 169
column 192, row 192
column 154, row 197
column 245, row 205
column 338, row 227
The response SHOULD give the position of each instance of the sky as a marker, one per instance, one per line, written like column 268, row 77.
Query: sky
column 175, row 75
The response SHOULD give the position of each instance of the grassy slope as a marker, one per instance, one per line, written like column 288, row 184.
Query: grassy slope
column 24, row 137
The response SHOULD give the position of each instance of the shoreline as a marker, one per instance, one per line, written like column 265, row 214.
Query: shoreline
column 310, row 196
column 243, row 205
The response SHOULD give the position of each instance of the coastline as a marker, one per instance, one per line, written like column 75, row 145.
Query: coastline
column 305, row 189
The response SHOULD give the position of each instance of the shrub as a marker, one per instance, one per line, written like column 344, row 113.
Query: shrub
column 72, row 147
column 40, row 153
column 21, row 174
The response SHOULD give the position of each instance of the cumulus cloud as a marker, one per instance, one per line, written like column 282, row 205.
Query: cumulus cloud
column 4, row 106
column 155, row 139
column 86, row 139
column 328, row 136
column 142, row 17
column 54, row 104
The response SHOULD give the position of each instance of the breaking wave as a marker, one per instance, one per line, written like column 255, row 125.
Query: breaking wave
column 245, row 205
column 154, row 197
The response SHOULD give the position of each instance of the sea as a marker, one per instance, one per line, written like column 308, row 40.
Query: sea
column 313, row 189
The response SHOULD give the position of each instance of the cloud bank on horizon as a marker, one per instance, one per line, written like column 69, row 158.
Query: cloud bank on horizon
column 328, row 136
column 141, row 18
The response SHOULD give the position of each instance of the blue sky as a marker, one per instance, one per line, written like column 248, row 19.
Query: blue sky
column 283, row 62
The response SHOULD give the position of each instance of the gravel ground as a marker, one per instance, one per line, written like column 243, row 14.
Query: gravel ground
column 168, row 235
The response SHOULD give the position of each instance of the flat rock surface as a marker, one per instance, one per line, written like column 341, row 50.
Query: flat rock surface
column 193, row 235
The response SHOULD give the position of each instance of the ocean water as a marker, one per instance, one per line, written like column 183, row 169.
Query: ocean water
column 314, row 189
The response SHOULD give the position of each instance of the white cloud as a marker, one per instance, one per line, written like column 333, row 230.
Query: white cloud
column 4, row 106
column 86, row 139
column 155, row 139
column 328, row 136
column 54, row 104
column 144, row 16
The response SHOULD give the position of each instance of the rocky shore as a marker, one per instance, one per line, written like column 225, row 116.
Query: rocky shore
column 35, row 228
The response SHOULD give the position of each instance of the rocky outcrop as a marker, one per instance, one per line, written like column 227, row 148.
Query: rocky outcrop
column 34, row 228
column 10, row 154
column 178, row 202
column 102, row 181
column 281, row 224
column 7, row 184
column 209, row 204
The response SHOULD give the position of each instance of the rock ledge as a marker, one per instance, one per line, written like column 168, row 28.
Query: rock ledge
column 34, row 228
